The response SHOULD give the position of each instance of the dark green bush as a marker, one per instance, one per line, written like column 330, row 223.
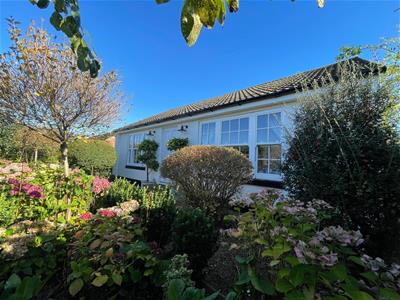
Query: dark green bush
column 148, row 155
column 194, row 233
column 177, row 143
column 94, row 156
column 346, row 151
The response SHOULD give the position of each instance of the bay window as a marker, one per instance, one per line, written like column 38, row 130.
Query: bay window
column 134, row 141
column 235, row 134
column 269, row 138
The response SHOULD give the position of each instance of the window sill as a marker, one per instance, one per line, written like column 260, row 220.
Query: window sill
column 136, row 167
column 267, row 183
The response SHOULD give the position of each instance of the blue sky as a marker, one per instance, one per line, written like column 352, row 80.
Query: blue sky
column 265, row 40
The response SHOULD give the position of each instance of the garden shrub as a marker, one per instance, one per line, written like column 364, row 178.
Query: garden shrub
column 208, row 175
column 104, row 255
column 345, row 150
column 148, row 155
column 177, row 143
column 121, row 190
column 194, row 233
column 304, row 259
column 96, row 157
column 158, row 210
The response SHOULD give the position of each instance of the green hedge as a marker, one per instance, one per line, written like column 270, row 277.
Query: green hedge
column 94, row 156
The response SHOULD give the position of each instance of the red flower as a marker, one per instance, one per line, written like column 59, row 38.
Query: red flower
column 107, row 213
column 86, row 216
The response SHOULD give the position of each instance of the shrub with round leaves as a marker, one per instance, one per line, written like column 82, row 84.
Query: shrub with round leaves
column 208, row 175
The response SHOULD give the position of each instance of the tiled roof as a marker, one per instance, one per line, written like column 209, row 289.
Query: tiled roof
column 279, row 87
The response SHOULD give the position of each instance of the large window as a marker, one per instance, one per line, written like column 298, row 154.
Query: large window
column 134, row 141
column 269, row 138
column 208, row 133
column 235, row 134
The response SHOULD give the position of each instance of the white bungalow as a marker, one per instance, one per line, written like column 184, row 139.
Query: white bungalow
column 255, row 120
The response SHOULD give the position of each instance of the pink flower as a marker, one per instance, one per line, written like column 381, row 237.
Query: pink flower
column 100, row 184
column 86, row 216
column 107, row 213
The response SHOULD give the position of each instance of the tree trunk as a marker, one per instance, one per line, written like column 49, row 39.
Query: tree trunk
column 35, row 156
column 64, row 158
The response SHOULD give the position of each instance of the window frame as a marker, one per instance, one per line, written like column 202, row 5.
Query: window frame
column 130, row 160
column 215, row 122
column 269, row 176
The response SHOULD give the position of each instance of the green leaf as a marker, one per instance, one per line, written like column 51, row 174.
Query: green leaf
column 175, row 289
column 295, row 295
column 296, row 275
column 13, row 282
column 190, row 22
column 371, row 276
column 262, row 285
column 337, row 297
column 56, row 20
column 231, row 296
column 243, row 278
column 360, row 295
column 340, row 272
column 212, row 296
column 75, row 286
column 283, row 285
column 59, row 6
column 233, row 5
column 43, row 3
column 100, row 280
column 117, row 278
column 70, row 27
column 208, row 12
column 389, row 294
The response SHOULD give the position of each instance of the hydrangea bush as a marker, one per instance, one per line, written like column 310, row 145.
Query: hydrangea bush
column 292, row 255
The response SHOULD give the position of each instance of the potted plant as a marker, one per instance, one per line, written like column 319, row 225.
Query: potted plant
column 148, row 155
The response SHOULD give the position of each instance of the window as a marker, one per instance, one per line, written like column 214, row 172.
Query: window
column 269, row 150
column 134, row 141
column 235, row 134
column 208, row 133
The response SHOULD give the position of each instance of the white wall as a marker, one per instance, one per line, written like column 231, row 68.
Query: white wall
column 164, row 131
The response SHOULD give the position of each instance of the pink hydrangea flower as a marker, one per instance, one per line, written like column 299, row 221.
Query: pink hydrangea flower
column 100, row 184
column 86, row 216
column 107, row 213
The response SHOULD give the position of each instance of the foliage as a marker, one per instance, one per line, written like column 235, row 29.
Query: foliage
column 177, row 143
column 208, row 175
column 148, row 155
column 178, row 269
column 42, row 194
column 41, row 89
column 94, row 156
column 8, row 149
column 194, row 15
column 104, row 256
column 351, row 160
column 194, row 233
column 121, row 190
column 158, row 211
column 304, row 259
column 178, row 290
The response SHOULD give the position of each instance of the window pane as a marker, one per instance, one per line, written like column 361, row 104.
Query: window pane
column 262, row 121
column 274, row 135
column 262, row 151
column 275, row 152
column 275, row 119
column 234, row 138
column 204, row 133
column 262, row 166
column 234, row 125
column 225, row 126
column 262, row 136
column 275, row 166
column 243, row 137
column 225, row 138
column 244, row 124
column 211, row 132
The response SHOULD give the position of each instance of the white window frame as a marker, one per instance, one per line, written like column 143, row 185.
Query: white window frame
column 208, row 133
column 132, row 147
column 238, row 144
column 268, row 176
